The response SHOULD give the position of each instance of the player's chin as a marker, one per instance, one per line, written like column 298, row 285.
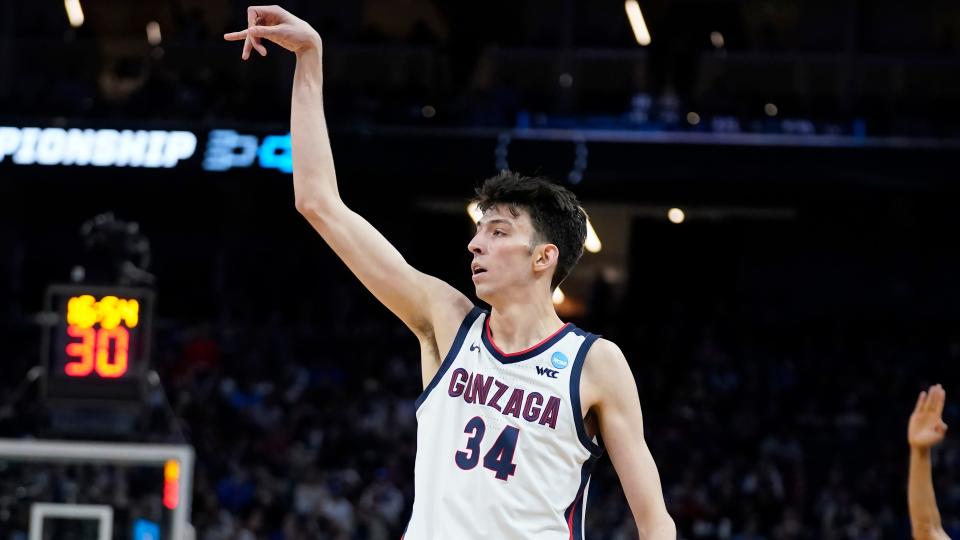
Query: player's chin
column 482, row 291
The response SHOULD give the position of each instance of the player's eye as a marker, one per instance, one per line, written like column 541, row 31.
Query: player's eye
column 499, row 232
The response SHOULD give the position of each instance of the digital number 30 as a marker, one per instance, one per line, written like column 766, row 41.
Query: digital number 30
column 93, row 352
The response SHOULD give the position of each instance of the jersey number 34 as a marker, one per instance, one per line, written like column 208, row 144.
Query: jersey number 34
column 498, row 459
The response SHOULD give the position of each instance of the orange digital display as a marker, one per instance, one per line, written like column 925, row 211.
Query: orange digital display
column 101, row 336
column 171, row 484
column 97, row 341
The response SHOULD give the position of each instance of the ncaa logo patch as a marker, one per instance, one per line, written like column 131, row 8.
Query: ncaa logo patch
column 559, row 360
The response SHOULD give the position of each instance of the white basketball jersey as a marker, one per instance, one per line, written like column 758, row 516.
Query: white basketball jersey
column 502, row 451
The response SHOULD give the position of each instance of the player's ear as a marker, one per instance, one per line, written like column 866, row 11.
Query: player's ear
column 545, row 256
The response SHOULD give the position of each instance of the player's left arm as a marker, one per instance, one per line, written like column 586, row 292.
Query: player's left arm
column 610, row 391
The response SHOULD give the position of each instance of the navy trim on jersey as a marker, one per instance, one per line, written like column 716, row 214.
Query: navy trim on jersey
column 512, row 358
column 451, row 354
column 577, row 368
column 574, row 513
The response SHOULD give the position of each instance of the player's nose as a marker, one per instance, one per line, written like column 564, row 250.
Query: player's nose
column 474, row 246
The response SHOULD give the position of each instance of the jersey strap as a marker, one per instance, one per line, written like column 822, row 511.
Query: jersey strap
column 593, row 447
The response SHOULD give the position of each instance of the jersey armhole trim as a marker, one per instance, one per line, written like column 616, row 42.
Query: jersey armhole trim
column 594, row 449
column 451, row 354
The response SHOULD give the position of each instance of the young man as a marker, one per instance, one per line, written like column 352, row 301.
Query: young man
column 505, row 440
column 925, row 430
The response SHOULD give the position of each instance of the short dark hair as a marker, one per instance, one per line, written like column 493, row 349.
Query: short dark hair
column 554, row 211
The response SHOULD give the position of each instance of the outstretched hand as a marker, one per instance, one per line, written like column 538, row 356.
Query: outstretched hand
column 277, row 25
column 926, row 428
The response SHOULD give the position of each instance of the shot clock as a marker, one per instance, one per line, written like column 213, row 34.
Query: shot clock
column 97, row 347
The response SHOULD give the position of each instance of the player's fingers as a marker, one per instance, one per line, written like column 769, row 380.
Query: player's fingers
column 258, row 17
column 271, row 14
column 247, row 44
column 268, row 32
column 251, row 41
column 937, row 397
column 928, row 401
column 921, row 399
column 251, row 37
column 254, row 33
column 260, row 31
column 235, row 36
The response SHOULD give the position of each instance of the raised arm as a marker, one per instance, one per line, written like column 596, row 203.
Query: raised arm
column 608, row 388
column 925, row 430
column 420, row 301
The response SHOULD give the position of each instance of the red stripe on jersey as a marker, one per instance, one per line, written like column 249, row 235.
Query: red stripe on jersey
column 528, row 349
column 573, row 509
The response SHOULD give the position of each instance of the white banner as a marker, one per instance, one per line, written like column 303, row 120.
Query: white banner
column 97, row 147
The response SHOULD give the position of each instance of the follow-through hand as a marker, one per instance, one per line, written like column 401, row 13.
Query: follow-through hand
column 275, row 24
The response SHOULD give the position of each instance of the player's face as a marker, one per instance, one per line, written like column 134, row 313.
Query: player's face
column 502, row 254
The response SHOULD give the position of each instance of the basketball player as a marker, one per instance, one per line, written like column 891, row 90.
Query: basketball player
column 514, row 400
column 925, row 430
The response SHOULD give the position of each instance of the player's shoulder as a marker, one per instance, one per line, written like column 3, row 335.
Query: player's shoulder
column 452, row 307
column 604, row 351
column 442, row 293
column 605, row 366
column 447, row 306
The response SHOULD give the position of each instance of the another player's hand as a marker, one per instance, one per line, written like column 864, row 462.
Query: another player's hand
column 277, row 25
column 926, row 428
